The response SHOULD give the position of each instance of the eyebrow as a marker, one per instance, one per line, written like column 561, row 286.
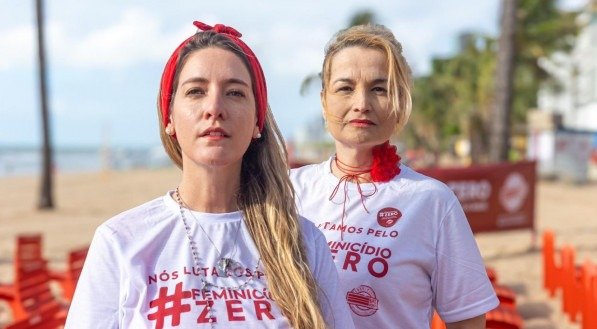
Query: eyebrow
column 204, row 80
column 348, row 80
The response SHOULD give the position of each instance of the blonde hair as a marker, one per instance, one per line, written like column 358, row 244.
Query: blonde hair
column 266, row 200
column 375, row 36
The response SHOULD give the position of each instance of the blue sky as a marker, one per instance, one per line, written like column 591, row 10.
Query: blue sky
column 105, row 57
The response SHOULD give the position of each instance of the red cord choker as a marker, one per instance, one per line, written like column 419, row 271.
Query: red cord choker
column 385, row 167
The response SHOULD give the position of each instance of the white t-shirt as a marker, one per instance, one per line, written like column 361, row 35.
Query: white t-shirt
column 412, row 251
column 139, row 273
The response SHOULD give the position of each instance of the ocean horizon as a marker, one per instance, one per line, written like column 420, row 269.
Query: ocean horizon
column 27, row 160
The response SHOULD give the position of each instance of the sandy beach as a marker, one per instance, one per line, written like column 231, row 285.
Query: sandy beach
column 83, row 201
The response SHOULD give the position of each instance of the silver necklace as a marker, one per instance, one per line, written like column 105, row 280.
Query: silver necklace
column 207, row 286
column 225, row 264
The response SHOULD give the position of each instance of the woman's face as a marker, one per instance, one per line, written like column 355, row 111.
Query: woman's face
column 213, row 113
column 355, row 101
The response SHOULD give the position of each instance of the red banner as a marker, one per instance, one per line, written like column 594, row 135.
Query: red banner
column 495, row 197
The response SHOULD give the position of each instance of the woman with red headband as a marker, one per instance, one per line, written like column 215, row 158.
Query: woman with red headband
column 400, row 240
column 225, row 248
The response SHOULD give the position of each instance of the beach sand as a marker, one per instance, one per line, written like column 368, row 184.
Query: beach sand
column 83, row 201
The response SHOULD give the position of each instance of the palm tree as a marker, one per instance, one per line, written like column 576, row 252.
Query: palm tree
column 504, row 81
column 45, row 197
column 543, row 29
column 454, row 99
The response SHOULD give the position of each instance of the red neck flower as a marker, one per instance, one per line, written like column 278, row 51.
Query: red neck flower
column 385, row 163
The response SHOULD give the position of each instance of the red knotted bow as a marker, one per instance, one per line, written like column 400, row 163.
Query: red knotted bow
column 218, row 28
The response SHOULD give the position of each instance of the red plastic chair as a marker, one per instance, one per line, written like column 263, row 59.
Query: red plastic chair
column 491, row 274
column 68, row 279
column 503, row 318
column 572, row 297
column 506, row 295
column 551, row 271
column 437, row 322
column 30, row 295
column 28, row 255
column 44, row 319
column 589, row 295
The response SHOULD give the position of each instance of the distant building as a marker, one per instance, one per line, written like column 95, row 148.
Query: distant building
column 563, row 131
column 574, row 96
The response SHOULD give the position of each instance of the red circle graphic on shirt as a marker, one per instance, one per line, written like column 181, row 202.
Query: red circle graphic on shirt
column 362, row 301
column 388, row 216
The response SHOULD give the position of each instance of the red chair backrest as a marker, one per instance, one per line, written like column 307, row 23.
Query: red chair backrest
column 436, row 322
column 589, row 282
column 43, row 319
column 503, row 318
column 551, row 271
column 29, row 248
column 506, row 295
column 32, row 285
column 76, row 260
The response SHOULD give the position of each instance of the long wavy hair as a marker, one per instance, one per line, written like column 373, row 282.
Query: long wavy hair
column 266, row 200
column 375, row 36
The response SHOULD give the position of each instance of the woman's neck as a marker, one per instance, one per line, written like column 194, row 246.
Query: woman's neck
column 210, row 189
column 350, row 159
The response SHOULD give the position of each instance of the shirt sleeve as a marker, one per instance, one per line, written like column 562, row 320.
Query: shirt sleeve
column 96, row 299
column 333, row 303
column 461, row 287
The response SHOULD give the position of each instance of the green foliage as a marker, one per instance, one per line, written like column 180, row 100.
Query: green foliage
column 455, row 94
column 456, row 97
column 362, row 17
column 542, row 30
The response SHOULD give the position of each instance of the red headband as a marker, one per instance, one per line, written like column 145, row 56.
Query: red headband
column 259, row 89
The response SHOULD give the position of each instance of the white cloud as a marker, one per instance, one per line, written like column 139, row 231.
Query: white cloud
column 135, row 38
column 16, row 47
column 573, row 4
column 291, row 51
column 58, row 107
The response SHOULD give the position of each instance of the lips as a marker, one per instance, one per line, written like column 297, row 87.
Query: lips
column 214, row 132
column 362, row 122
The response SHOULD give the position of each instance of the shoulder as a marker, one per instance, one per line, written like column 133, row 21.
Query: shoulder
column 418, row 183
column 306, row 173
column 309, row 231
column 314, row 242
column 137, row 220
column 313, row 238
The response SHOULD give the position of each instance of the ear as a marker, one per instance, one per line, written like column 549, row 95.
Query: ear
column 256, row 133
column 169, row 129
column 322, row 98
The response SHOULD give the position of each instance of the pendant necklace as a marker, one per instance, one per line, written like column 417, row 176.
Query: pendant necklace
column 224, row 264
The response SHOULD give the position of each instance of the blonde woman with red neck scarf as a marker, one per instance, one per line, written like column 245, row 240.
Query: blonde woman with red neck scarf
column 400, row 240
column 225, row 248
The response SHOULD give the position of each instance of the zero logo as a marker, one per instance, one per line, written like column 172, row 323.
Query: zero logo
column 387, row 217
column 362, row 301
column 514, row 192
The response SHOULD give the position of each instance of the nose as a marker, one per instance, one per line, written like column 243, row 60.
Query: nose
column 361, row 101
column 213, row 106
